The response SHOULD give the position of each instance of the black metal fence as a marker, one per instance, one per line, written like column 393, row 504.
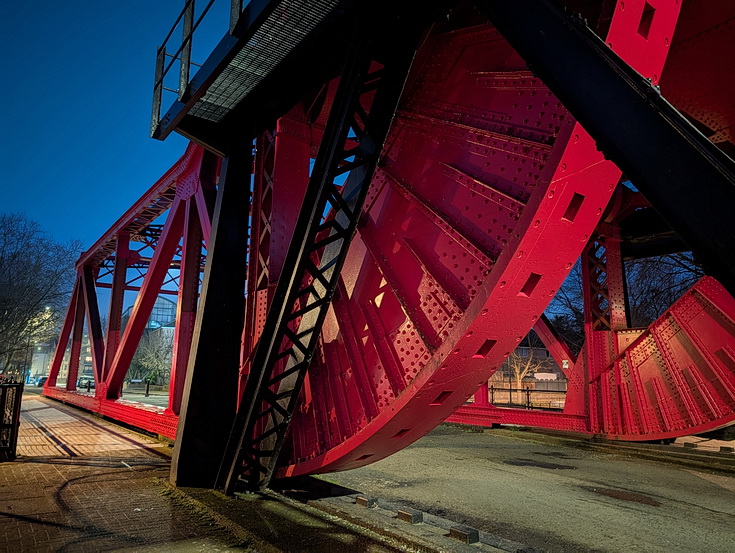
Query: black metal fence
column 527, row 398
column 10, row 398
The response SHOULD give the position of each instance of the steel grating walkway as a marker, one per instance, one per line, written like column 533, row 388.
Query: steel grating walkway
column 282, row 32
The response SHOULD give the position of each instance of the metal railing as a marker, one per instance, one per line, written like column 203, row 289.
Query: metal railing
column 165, row 60
column 526, row 398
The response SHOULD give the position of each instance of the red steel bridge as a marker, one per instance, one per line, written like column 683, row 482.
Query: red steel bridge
column 381, row 199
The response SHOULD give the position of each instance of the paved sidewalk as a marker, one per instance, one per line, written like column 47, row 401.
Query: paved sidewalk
column 83, row 484
column 49, row 428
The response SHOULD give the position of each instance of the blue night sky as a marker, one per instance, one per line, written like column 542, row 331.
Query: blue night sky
column 75, row 107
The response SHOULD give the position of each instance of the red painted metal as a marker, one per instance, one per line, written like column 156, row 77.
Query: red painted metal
column 66, row 332
column 94, row 328
column 486, row 194
column 281, row 177
column 258, row 281
column 114, row 322
column 76, row 339
column 699, row 76
column 143, row 306
column 675, row 377
column 558, row 348
column 481, row 178
column 191, row 262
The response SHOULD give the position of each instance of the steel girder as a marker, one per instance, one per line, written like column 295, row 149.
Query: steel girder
column 671, row 379
column 210, row 390
column 659, row 382
column 452, row 230
column 556, row 46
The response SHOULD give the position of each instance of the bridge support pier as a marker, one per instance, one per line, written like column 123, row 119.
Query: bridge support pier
column 210, row 390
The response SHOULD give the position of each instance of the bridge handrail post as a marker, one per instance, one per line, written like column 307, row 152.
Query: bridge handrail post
column 158, row 88
column 235, row 10
column 186, row 39
column 10, row 402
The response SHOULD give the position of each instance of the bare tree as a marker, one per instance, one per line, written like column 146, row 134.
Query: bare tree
column 527, row 359
column 152, row 360
column 653, row 284
column 36, row 278
column 566, row 310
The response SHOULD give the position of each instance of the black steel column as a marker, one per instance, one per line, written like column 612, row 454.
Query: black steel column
column 186, row 39
column 685, row 177
column 210, row 390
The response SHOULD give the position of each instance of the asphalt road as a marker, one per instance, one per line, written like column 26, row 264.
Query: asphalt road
column 553, row 497
column 158, row 399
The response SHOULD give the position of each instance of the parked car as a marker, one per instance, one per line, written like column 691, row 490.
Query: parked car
column 41, row 380
column 85, row 382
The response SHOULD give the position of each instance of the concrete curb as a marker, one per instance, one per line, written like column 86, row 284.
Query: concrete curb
column 388, row 539
column 445, row 534
column 703, row 460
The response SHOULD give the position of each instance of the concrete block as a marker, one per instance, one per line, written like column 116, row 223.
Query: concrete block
column 690, row 445
column 410, row 515
column 465, row 534
column 365, row 501
column 727, row 449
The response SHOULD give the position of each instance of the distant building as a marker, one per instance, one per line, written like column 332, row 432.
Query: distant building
column 43, row 354
column 163, row 314
column 157, row 340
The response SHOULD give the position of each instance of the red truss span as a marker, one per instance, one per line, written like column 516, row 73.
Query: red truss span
column 484, row 174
